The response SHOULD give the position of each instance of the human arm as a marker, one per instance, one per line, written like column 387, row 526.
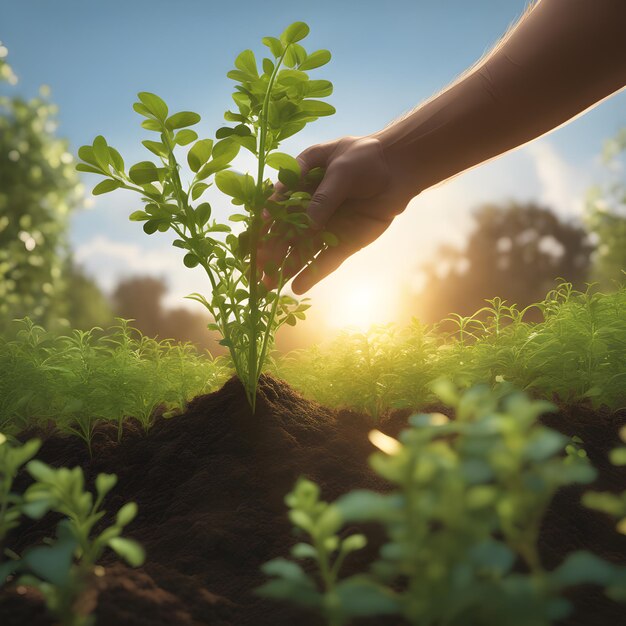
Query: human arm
column 562, row 57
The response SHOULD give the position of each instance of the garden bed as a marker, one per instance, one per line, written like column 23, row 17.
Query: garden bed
column 210, row 486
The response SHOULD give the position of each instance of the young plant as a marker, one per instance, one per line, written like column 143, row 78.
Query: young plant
column 468, row 499
column 12, row 458
column 273, row 103
column 321, row 522
column 65, row 572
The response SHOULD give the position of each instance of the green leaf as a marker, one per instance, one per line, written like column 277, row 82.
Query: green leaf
column 86, row 153
column 581, row 568
column 106, row 186
column 116, row 159
column 275, row 46
column 203, row 214
column 104, row 483
column 294, row 32
column 150, row 227
column 151, row 124
column 53, row 564
column 126, row 514
column 199, row 154
column 318, row 108
column 129, row 550
column 191, row 260
column 182, row 119
column 295, row 55
column 156, row 147
column 268, row 67
column 101, row 152
column 224, row 131
column 138, row 216
column 198, row 189
column 318, row 88
column 184, row 137
column 247, row 63
column 143, row 172
column 83, row 167
column 229, row 183
column 288, row 178
column 361, row 597
column 154, row 104
column 618, row 456
column 280, row 160
column 225, row 150
column 315, row 59
column 353, row 543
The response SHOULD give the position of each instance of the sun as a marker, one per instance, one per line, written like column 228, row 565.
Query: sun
column 358, row 306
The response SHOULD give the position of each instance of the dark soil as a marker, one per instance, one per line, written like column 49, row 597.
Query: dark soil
column 210, row 486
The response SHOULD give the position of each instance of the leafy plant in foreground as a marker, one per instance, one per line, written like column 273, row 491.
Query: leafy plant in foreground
column 65, row 571
column 272, row 104
column 468, row 499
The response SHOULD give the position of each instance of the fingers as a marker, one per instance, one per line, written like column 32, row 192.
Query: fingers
column 324, row 264
column 330, row 194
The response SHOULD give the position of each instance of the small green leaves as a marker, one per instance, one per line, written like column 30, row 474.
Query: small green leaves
column 315, row 59
column 317, row 108
column 294, row 32
column 129, row 550
column 275, row 45
column 247, row 63
column 185, row 137
column 199, row 154
column 191, row 260
column 106, row 186
column 143, row 172
column 182, row 119
column 280, row 160
column 153, row 105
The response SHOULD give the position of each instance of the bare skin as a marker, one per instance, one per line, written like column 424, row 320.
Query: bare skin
column 562, row 58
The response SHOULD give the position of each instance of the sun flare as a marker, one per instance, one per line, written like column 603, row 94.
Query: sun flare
column 358, row 307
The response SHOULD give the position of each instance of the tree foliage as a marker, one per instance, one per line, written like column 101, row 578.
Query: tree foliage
column 38, row 191
column 514, row 252
column 606, row 216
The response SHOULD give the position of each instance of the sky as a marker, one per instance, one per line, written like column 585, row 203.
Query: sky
column 387, row 58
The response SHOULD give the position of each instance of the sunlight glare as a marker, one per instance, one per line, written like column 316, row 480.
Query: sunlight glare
column 358, row 306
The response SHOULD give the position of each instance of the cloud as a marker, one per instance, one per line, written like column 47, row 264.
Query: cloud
column 109, row 261
column 561, row 187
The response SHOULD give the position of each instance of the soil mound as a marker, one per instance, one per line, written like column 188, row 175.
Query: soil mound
column 210, row 486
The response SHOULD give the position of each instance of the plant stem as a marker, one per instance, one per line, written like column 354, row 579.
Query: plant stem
column 253, row 365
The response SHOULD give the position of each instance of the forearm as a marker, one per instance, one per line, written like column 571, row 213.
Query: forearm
column 561, row 59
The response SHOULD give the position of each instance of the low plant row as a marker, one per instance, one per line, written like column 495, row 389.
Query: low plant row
column 79, row 380
column 577, row 354
column 462, row 522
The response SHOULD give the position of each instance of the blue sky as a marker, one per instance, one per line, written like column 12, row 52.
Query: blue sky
column 387, row 57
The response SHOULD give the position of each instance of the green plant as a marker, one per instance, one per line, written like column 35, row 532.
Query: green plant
column 467, row 501
column 272, row 105
column 12, row 458
column 65, row 572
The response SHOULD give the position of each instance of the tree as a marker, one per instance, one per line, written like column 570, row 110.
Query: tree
column 514, row 252
column 140, row 298
column 606, row 216
column 38, row 190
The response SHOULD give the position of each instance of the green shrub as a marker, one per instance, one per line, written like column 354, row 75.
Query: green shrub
column 467, row 500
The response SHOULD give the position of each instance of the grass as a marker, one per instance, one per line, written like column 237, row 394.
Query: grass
column 577, row 354
column 96, row 376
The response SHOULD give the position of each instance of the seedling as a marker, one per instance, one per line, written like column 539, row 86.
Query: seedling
column 467, row 500
column 272, row 104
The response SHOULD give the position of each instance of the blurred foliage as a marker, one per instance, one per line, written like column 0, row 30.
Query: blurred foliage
column 576, row 353
column 606, row 216
column 38, row 191
column 99, row 375
column 462, row 522
column 514, row 252
column 140, row 298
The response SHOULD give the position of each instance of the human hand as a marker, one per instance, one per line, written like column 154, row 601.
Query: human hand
column 358, row 198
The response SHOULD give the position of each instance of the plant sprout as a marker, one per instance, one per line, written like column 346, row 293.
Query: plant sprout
column 272, row 103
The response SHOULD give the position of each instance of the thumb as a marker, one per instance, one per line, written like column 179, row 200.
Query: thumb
column 330, row 194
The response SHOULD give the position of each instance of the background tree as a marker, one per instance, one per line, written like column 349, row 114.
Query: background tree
column 140, row 298
column 39, row 189
column 606, row 216
column 514, row 252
